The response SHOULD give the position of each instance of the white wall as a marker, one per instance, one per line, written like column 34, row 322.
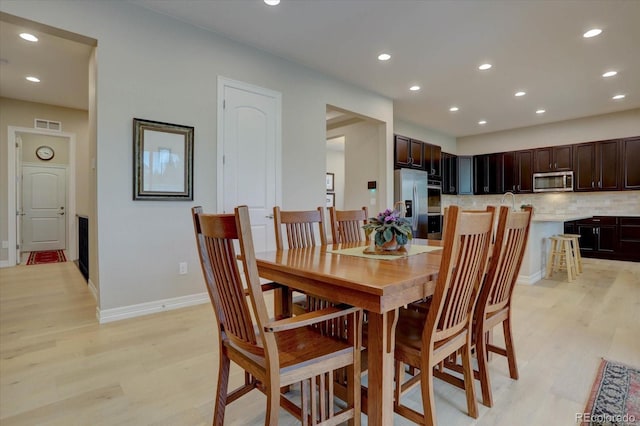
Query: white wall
column 424, row 134
column 601, row 127
column 150, row 66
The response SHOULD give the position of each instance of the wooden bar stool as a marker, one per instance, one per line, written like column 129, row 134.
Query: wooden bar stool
column 561, row 257
column 575, row 248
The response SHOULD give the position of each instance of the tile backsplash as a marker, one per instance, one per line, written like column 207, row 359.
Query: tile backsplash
column 606, row 203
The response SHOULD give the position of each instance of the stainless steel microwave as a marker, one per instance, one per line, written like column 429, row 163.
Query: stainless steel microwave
column 553, row 182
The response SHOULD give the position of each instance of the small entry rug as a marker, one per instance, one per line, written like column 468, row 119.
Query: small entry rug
column 615, row 396
column 46, row 256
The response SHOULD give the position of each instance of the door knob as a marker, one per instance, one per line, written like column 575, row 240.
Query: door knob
column 270, row 216
column 61, row 213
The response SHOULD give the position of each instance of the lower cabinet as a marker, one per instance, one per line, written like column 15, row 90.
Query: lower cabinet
column 608, row 237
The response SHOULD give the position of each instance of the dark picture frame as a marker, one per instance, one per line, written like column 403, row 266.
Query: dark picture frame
column 162, row 161
column 330, row 201
column 330, row 182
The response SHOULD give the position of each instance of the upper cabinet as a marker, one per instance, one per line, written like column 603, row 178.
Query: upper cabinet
column 414, row 154
column 432, row 160
column 408, row 153
column 553, row 159
column 630, row 168
column 518, row 171
column 449, row 174
column 597, row 166
column 488, row 174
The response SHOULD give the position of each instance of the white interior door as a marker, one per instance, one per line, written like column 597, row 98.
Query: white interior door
column 18, row 192
column 251, row 156
column 44, row 208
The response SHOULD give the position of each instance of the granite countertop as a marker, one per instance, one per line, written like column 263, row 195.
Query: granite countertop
column 559, row 217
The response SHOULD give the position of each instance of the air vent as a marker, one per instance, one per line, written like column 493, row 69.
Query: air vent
column 39, row 123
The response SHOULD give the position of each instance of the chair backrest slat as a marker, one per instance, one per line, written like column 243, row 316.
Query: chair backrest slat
column 464, row 262
column 346, row 225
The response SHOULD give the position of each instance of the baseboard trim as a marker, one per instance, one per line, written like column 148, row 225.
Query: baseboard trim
column 132, row 311
column 4, row 263
column 93, row 289
column 529, row 279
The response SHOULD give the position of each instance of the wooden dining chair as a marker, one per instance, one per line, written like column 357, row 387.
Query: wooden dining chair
column 424, row 338
column 301, row 228
column 494, row 302
column 346, row 225
column 273, row 353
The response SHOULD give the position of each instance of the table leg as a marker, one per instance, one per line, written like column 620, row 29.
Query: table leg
column 381, row 344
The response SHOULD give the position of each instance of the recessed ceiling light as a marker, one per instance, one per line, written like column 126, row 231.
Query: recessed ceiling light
column 618, row 97
column 384, row 57
column 272, row 2
column 33, row 79
column 592, row 33
column 28, row 37
column 518, row 94
column 541, row 111
column 482, row 122
column 414, row 88
column 484, row 67
column 610, row 73
column 454, row 109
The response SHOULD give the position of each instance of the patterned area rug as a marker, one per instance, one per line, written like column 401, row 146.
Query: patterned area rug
column 615, row 396
column 46, row 256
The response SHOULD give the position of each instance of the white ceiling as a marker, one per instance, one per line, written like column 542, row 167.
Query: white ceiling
column 534, row 45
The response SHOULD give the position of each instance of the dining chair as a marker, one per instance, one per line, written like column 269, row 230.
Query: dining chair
column 301, row 228
column 494, row 302
column 273, row 353
column 425, row 338
column 346, row 225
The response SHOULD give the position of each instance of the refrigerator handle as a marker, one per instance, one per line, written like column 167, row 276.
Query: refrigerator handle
column 416, row 207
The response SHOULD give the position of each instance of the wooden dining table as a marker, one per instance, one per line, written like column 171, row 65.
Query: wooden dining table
column 380, row 286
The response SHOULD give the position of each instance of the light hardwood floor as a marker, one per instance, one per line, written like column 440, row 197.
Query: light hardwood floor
column 58, row 366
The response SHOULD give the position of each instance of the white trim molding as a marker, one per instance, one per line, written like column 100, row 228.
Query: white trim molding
column 116, row 314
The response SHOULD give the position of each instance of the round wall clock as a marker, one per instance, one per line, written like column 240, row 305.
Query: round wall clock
column 45, row 153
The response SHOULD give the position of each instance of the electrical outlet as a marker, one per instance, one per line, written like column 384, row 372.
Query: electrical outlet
column 182, row 268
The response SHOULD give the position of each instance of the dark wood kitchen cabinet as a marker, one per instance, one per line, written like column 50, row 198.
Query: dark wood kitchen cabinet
column 597, row 166
column 630, row 149
column 408, row 153
column 518, row 171
column 598, row 235
column 449, row 174
column 553, row 159
column 488, row 174
column 608, row 237
column 432, row 155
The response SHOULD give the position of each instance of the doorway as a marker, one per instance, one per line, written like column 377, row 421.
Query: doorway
column 355, row 153
column 21, row 156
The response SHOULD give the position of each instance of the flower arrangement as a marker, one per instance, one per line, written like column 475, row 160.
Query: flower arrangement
column 389, row 225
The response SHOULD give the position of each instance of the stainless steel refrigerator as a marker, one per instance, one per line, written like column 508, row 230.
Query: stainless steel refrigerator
column 422, row 201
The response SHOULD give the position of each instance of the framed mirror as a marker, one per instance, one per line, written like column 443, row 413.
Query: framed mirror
column 162, row 161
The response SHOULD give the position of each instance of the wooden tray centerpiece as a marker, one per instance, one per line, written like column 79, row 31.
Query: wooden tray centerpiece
column 374, row 249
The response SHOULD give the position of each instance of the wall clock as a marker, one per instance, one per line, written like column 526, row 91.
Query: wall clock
column 45, row 153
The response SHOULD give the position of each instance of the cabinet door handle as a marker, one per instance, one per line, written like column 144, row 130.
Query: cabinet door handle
column 592, row 185
column 599, row 184
column 596, row 220
column 549, row 166
column 555, row 165
column 518, row 187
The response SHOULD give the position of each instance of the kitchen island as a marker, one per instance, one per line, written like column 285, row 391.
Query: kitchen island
column 535, row 258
